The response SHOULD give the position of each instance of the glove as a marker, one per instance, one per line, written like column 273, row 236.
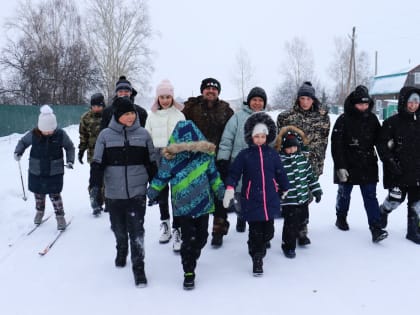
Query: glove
column 17, row 157
column 393, row 167
column 153, row 196
column 283, row 194
column 342, row 175
column 80, row 156
column 69, row 165
column 223, row 168
column 228, row 197
column 317, row 196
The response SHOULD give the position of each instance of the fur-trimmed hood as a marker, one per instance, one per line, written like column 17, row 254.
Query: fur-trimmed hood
column 260, row 117
column 187, row 138
column 284, row 131
column 405, row 93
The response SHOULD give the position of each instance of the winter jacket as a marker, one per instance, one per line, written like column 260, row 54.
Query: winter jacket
column 89, row 128
column 315, row 123
column 161, row 123
column 123, row 156
column 353, row 140
column 188, row 164
column 108, row 112
column 46, row 161
column 209, row 118
column 262, row 172
column 400, row 140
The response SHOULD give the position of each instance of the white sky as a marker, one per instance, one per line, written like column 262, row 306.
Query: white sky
column 199, row 39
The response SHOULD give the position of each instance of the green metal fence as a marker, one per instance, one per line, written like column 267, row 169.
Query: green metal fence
column 19, row 118
column 390, row 110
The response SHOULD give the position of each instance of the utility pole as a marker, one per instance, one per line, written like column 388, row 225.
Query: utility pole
column 352, row 65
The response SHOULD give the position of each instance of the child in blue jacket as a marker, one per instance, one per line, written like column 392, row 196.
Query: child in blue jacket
column 263, row 181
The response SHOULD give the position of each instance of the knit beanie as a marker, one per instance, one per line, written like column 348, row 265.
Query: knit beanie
column 290, row 141
column 257, row 92
column 360, row 95
column 97, row 99
column 165, row 88
column 47, row 120
column 122, row 105
column 123, row 84
column 260, row 128
column 414, row 97
column 210, row 82
column 306, row 89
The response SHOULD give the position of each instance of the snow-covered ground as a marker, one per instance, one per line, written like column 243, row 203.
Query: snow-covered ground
column 339, row 273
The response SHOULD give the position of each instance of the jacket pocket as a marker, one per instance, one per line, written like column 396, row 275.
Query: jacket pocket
column 248, row 189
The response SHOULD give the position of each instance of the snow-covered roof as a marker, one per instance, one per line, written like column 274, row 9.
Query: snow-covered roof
column 388, row 84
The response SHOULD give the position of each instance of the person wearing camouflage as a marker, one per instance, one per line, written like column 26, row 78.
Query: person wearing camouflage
column 211, row 114
column 89, row 128
column 312, row 118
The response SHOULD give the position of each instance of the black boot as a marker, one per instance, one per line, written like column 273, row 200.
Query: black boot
column 140, row 279
column 121, row 258
column 289, row 253
column 240, row 225
column 220, row 228
column 413, row 229
column 189, row 278
column 303, row 238
column 341, row 222
column 257, row 266
column 378, row 234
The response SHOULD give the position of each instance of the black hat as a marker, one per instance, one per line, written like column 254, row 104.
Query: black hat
column 306, row 89
column 257, row 92
column 97, row 99
column 122, row 105
column 360, row 95
column 123, row 84
column 290, row 140
column 210, row 82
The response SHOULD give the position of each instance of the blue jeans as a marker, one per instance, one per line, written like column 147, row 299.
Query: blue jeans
column 369, row 199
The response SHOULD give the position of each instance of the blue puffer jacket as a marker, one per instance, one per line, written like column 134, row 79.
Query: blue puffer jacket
column 262, row 172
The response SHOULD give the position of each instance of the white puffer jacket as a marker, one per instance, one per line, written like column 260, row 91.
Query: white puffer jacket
column 161, row 123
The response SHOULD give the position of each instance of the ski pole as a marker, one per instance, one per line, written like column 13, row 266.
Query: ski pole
column 21, row 180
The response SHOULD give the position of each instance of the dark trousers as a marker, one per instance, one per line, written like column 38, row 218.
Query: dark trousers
column 194, row 234
column 294, row 216
column 56, row 201
column 260, row 232
column 369, row 200
column 164, row 207
column 127, row 220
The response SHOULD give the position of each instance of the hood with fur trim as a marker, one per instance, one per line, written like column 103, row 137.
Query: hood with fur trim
column 263, row 118
column 300, row 135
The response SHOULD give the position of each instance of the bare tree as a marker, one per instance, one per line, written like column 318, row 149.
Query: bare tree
column 297, row 68
column 339, row 69
column 118, row 32
column 47, row 61
column 243, row 73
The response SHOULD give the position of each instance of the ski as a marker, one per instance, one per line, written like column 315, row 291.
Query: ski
column 54, row 240
column 29, row 232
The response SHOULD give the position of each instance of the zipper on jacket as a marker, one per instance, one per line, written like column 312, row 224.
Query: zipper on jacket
column 126, row 143
column 263, row 183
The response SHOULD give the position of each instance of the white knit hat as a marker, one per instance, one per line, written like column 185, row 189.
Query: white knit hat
column 47, row 120
column 260, row 128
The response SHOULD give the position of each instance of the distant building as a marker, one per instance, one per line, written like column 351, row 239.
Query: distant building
column 385, row 88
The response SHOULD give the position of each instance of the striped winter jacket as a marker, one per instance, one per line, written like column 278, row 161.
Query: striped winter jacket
column 188, row 164
column 301, row 178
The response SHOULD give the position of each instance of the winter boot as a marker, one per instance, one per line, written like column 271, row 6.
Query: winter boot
column 303, row 238
column 378, row 234
column 121, row 258
column 413, row 229
column 97, row 212
column 257, row 266
column 177, row 240
column 240, row 225
column 189, row 278
column 384, row 216
column 140, row 279
column 341, row 222
column 61, row 222
column 289, row 253
column 38, row 217
column 166, row 232
column 220, row 228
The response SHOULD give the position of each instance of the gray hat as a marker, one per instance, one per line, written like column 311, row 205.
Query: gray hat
column 306, row 89
column 47, row 120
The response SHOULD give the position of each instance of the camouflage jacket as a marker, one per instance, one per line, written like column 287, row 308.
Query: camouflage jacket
column 315, row 123
column 89, row 128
